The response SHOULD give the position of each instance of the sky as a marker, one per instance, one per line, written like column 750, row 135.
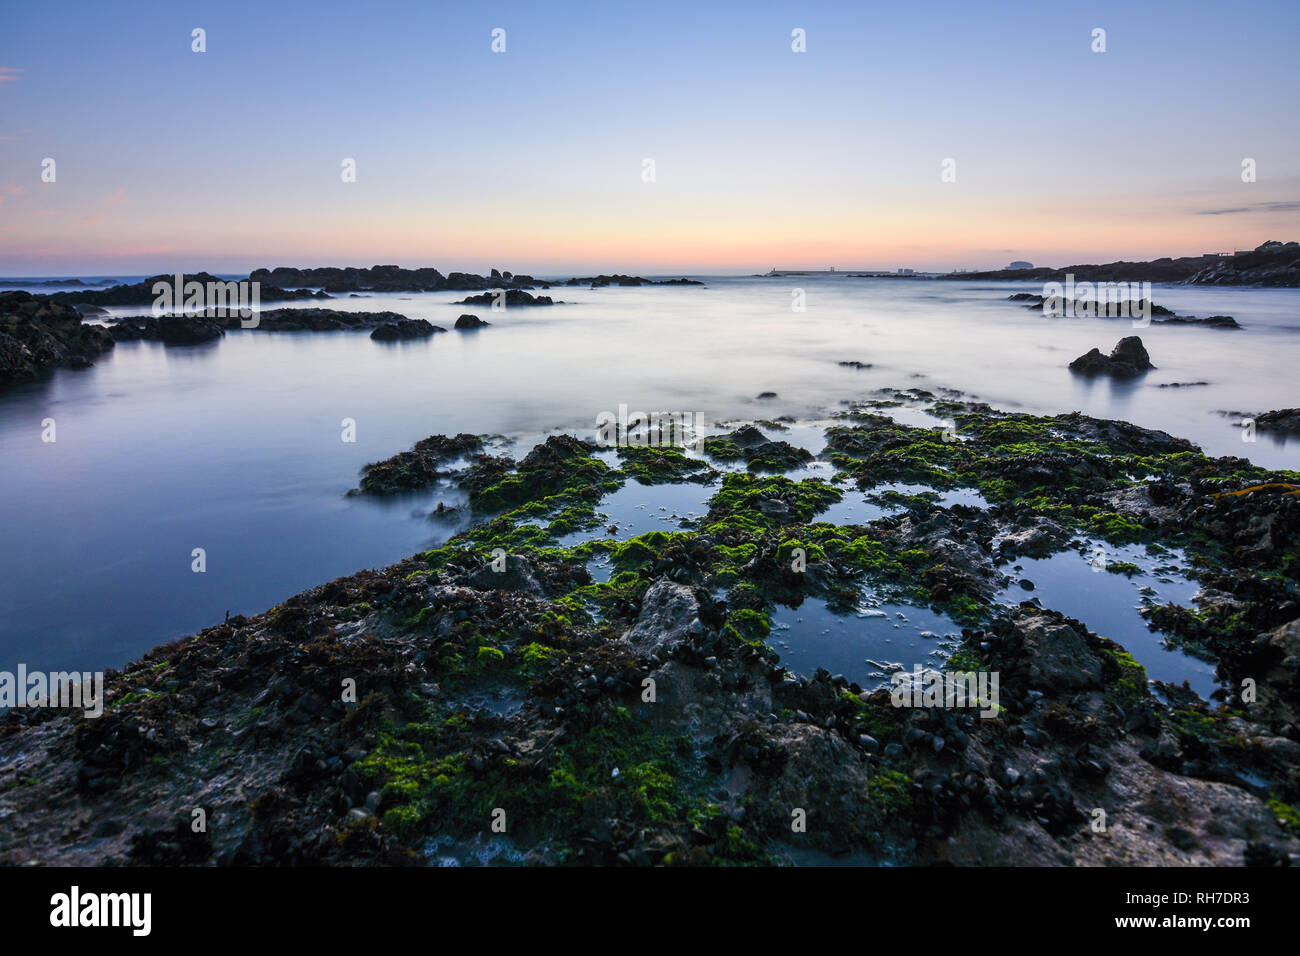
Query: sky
column 537, row 159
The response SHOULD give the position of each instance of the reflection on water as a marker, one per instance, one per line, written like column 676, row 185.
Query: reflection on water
column 866, row 646
column 859, row 508
column 1077, row 584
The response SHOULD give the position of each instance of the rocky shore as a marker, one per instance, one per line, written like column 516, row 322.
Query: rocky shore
column 142, row 293
column 38, row 334
column 190, row 329
column 600, row 281
column 1109, row 309
column 1272, row 263
column 391, row 279
column 285, row 283
column 494, row 700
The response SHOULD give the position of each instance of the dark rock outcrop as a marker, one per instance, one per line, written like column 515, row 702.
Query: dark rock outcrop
column 1209, row 322
column 1279, row 420
column 404, row 329
column 512, row 297
column 37, row 334
column 600, row 281
column 170, row 329
column 1127, row 359
column 1108, row 309
column 464, row 322
column 389, row 278
column 141, row 293
column 1270, row 264
column 317, row 320
column 517, row 576
column 759, row 452
column 418, row 468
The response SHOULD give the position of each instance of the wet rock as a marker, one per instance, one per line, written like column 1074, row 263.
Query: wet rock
column 37, row 335
column 1278, row 653
column 517, row 576
column 1127, row 359
column 670, row 615
column 470, row 322
column 511, row 297
column 182, row 329
column 1057, row 657
column 420, row 467
column 1040, row 538
column 1280, row 420
column 750, row 445
column 1209, row 322
column 405, row 329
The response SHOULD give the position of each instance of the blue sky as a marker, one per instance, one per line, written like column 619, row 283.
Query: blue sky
column 532, row 159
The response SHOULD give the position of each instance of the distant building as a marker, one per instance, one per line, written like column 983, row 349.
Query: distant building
column 1021, row 264
column 906, row 272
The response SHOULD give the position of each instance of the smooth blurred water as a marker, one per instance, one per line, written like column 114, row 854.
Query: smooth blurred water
column 235, row 446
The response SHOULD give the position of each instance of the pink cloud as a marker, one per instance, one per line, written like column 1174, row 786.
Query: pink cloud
column 9, row 74
column 117, row 197
column 13, row 189
column 89, row 220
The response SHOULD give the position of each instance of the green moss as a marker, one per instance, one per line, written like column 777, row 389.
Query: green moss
column 807, row 551
column 963, row 660
column 655, row 466
column 609, row 759
column 750, row 626
column 642, row 550
column 738, row 503
column 489, row 657
column 1287, row 814
column 1116, row 528
column 1130, row 687
column 354, row 612
column 891, row 791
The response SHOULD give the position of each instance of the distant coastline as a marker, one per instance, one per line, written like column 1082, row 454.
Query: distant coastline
column 1273, row 263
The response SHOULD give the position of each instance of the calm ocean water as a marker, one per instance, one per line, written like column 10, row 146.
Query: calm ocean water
column 235, row 447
